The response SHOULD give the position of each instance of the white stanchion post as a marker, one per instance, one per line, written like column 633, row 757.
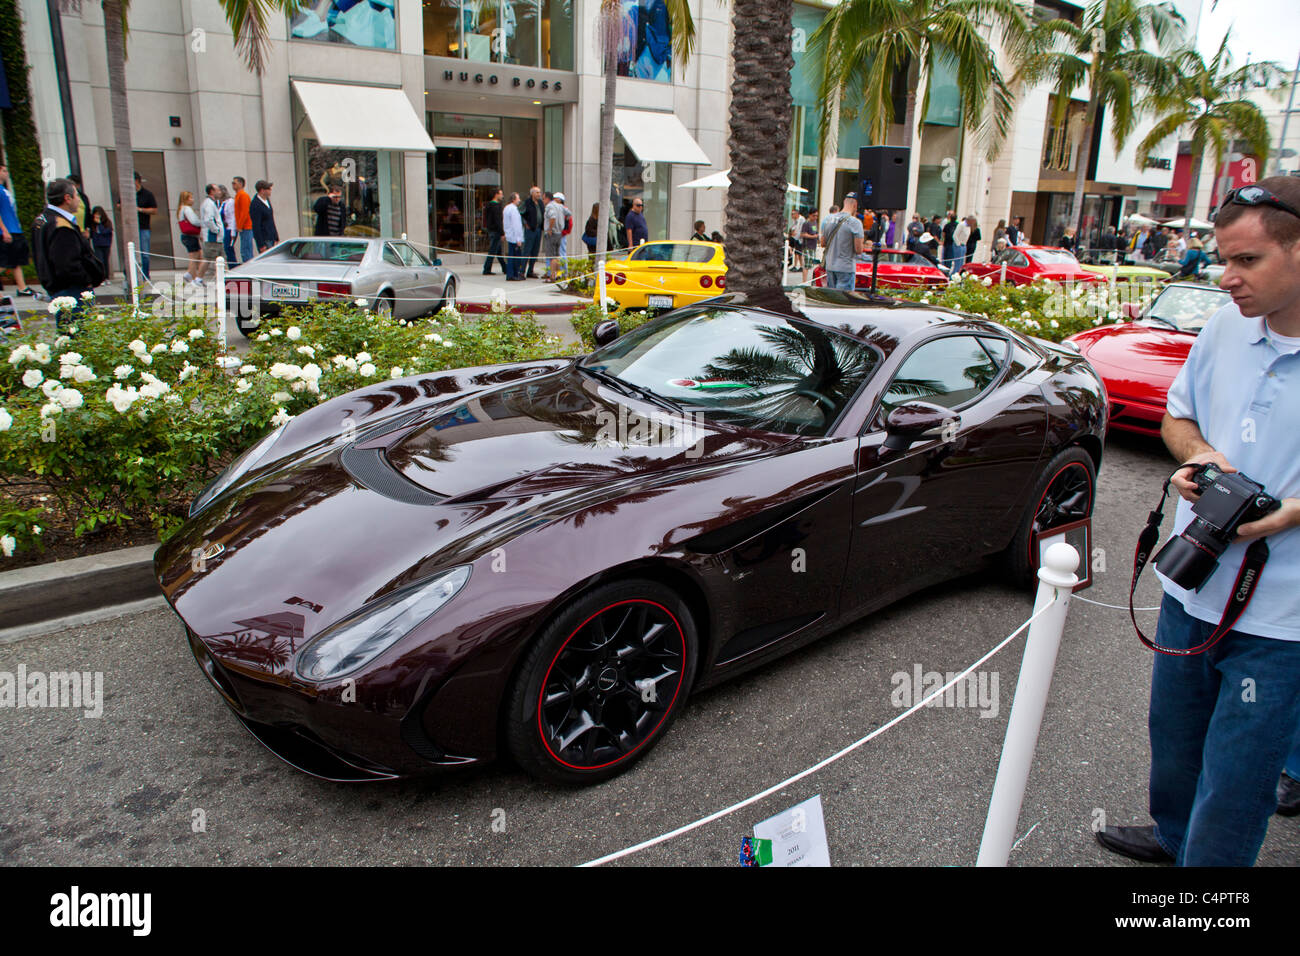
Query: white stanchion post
column 1003, row 280
column 131, row 278
column 600, row 286
column 221, row 301
column 1056, row 581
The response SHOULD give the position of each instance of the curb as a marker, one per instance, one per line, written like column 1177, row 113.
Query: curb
column 58, row 589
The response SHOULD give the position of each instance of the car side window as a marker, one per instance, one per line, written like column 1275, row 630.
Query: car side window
column 1020, row 260
column 948, row 371
column 391, row 256
column 411, row 255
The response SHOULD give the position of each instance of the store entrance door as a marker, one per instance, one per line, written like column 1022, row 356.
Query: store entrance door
column 466, row 173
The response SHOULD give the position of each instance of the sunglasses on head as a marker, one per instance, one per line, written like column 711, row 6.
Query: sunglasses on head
column 1255, row 196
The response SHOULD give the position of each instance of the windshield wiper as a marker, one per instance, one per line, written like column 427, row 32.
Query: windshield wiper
column 1156, row 318
column 627, row 388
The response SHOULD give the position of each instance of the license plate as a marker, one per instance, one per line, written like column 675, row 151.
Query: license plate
column 659, row 301
column 285, row 290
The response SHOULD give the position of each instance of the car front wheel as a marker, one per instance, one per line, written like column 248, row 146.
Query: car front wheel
column 602, row 683
column 1063, row 494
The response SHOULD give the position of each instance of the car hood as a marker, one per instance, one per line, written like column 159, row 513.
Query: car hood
column 561, row 432
column 1154, row 352
column 439, row 483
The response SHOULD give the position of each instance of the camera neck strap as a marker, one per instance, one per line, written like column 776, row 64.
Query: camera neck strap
column 1242, row 590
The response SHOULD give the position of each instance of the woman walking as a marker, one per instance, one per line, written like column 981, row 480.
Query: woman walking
column 190, row 226
column 811, row 230
column 974, row 240
column 101, row 237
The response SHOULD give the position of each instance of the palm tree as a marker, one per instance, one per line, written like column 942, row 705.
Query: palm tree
column 248, row 22
column 610, row 27
column 864, row 45
column 1206, row 100
column 1106, row 55
column 758, row 140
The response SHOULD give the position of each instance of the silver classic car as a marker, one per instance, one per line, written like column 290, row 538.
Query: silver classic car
column 392, row 275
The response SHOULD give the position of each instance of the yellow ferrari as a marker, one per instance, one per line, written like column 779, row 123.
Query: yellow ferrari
column 665, row 274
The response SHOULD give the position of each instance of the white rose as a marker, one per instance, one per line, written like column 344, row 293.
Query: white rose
column 138, row 346
column 280, row 397
column 281, row 417
column 179, row 346
column 50, row 409
column 7, row 544
column 298, row 386
column 310, row 372
column 51, row 387
column 395, row 372
column 33, row 377
column 247, row 369
column 187, row 372
column 294, row 333
column 160, row 347
column 242, row 386
column 362, row 303
column 263, row 337
column 84, row 373
column 363, row 357
column 17, row 355
column 276, row 332
column 150, row 391
column 172, row 399
column 366, row 370
column 350, row 365
column 196, row 333
column 6, row 420
column 70, row 358
column 123, row 371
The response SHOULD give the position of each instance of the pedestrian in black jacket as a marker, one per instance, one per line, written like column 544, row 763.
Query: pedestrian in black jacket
column 65, row 261
column 263, row 216
column 494, row 226
column 533, row 212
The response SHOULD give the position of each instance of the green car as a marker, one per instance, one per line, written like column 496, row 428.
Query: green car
column 1128, row 273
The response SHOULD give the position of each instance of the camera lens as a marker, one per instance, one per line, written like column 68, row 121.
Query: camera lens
column 1186, row 562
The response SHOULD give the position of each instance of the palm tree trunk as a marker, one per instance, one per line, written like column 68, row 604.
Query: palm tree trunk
column 115, row 44
column 1194, row 184
column 759, row 142
column 609, row 17
column 915, row 95
column 1082, row 160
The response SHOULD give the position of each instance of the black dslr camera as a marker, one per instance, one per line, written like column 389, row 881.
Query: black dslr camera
column 1227, row 500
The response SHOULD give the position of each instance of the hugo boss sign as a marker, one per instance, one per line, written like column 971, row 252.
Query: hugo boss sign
column 464, row 76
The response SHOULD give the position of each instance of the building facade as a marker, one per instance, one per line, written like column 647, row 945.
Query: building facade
column 417, row 109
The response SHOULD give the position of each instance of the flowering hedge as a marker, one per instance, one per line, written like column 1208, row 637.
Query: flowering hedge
column 125, row 421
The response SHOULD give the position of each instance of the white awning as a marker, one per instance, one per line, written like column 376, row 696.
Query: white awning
column 723, row 179
column 659, row 138
column 362, row 117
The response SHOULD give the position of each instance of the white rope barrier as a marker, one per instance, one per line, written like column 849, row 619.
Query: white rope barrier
column 1117, row 607
column 776, row 788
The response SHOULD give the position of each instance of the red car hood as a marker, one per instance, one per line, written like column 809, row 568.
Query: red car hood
column 1135, row 360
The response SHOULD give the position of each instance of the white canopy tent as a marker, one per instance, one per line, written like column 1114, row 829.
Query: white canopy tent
column 1192, row 223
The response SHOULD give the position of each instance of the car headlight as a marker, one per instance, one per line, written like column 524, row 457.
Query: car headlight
column 238, row 467
column 359, row 639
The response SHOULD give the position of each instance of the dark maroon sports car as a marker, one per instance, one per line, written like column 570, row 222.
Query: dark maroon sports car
column 545, row 559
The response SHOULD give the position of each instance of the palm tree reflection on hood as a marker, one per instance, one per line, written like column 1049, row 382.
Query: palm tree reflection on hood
column 805, row 369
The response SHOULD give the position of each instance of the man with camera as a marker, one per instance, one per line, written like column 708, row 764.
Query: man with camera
column 1225, row 685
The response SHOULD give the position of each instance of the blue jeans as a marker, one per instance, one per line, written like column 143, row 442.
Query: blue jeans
column 1221, row 725
column 143, row 251
column 228, row 243
column 515, row 264
column 1292, row 767
column 245, row 245
column 839, row 280
column 532, row 242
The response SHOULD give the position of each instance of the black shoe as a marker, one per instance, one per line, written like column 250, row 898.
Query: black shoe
column 1136, row 843
column 1288, row 796
column 487, row 273
column 26, row 292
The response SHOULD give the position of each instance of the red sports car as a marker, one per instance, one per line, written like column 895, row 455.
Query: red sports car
column 1139, row 360
column 898, row 270
column 1026, row 264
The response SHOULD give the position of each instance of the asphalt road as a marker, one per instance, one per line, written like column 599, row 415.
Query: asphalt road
column 129, row 786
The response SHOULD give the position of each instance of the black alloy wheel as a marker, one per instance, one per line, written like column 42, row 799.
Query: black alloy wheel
column 1063, row 494
column 602, row 683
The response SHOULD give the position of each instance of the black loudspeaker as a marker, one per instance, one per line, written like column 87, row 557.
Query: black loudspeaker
column 882, row 175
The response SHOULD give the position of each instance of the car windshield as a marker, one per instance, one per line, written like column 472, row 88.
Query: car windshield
column 1188, row 307
column 673, row 252
column 898, row 258
column 744, row 368
column 1052, row 257
column 321, row 250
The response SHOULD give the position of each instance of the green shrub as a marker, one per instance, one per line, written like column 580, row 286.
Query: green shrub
column 128, row 419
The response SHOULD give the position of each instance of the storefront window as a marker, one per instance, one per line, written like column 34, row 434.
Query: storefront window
column 645, row 49
column 369, row 23
column 649, row 182
column 370, row 181
column 521, row 32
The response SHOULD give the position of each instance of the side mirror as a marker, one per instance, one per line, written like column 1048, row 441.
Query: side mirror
column 912, row 421
column 606, row 332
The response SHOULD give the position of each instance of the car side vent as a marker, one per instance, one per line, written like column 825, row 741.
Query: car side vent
column 370, row 468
